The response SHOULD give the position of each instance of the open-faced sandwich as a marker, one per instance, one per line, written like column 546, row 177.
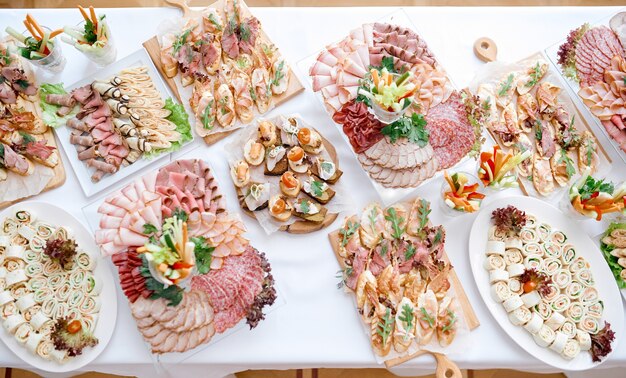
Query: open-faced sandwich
column 284, row 172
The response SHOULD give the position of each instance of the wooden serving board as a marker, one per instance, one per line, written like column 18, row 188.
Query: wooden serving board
column 461, row 296
column 59, row 173
column 303, row 226
column 154, row 50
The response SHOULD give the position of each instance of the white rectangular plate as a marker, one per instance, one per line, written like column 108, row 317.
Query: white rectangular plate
column 82, row 171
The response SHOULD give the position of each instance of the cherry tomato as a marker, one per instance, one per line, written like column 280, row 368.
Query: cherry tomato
column 529, row 286
column 295, row 154
column 279, row 206
column 74, row 326
column 304, row 135
column 289, row 180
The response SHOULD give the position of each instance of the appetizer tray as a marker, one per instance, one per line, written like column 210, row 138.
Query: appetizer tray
column 610, row 306
column 365, row 272
column 275, row 140
column 434, row 133
column 521, row 102
column 589, row 96
column 40, row 165
column 103, row 323
column 209, row 26
column 57, row 179
column 607, row 247
column 136, row 60
column 149, row 214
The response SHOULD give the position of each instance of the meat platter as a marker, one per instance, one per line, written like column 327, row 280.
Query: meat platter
column 525, row 108
column 397, row 107
column 592, row 61
column 225, row 67
column 124, row 120
column 29, row 160
column 394, row 261
column 182, row 259
column 287, row 175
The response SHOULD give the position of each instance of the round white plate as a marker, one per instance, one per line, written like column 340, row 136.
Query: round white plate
column 108, row 311
column 585, row 247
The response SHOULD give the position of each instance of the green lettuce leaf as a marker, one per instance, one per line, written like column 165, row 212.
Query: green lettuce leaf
column 610, row 259
column 49, row 111
column 181, row 119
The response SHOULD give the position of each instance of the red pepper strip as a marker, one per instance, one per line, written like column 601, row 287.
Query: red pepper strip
column 181, row 265
column 475, row 195
column 470, row 188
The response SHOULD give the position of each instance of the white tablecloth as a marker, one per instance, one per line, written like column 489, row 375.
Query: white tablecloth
column 318, row 326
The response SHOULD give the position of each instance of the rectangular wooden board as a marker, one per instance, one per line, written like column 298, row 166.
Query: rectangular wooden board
column 154, row 50
column 57, row 180
column 461, row 296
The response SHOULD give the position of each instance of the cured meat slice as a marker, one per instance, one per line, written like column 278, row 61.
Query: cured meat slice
column 400, row 155
column 451, row 134
column 594, row 53
column 232, row 289
column 359, row 125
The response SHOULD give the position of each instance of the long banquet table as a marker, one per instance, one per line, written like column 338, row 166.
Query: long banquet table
column 316, row 325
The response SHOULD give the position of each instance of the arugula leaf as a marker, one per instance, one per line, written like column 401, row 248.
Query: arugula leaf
column 346, row 233
column 385, row 326
column 407, row 317
column 535, row 76
column 180, row 40
column 538, row 130
column 453, row 318
column 203, row 252
column 505, row 86
column 409, row 253
column 413, row 128
column 214, row 21
column 180, row 214
column 207, row 118
column 149, row 229
column 316, row 188
column 426, row 317
column 252, row 94
column 438, row 237
column 279, row 74
column 569, row 164
column 395, row 223
column 173, row 294
column 424, row 210
column 244, row 32
column 27, row 137
column 384, row 249
column 372, row 217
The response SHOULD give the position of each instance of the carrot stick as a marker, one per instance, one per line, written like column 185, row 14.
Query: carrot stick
column 34, row 24
column 55, row 33
column 92, row 11
column 31, row 30
column 83, row 12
